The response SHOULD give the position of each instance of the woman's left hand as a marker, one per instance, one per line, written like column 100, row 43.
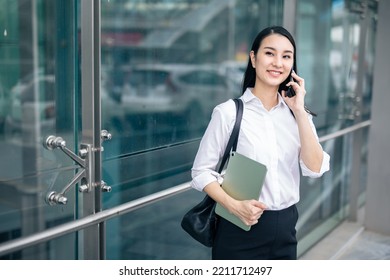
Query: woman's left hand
column 297, row 102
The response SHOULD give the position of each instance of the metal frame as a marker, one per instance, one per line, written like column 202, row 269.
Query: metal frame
column 358, row 135
column 289, row 14
column 90, row 245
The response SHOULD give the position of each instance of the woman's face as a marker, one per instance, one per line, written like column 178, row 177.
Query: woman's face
column 273, row 61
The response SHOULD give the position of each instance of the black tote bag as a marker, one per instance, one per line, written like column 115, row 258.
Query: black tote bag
column 200, row 222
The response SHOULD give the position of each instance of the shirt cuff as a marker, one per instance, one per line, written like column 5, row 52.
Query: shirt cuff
column 324, row 167
column 200, row 181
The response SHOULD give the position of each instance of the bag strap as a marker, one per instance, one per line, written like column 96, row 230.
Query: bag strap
column 233, row 140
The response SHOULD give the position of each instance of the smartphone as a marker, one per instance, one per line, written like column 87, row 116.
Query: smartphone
column 290, row 91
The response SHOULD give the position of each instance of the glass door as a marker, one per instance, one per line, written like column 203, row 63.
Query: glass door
column 39, row 86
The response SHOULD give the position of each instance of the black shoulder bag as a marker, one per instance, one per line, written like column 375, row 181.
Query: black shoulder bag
column 201, row 221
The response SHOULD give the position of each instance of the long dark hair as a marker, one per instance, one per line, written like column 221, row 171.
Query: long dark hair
column 250, row 72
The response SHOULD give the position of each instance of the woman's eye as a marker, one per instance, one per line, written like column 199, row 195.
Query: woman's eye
column 268, row 53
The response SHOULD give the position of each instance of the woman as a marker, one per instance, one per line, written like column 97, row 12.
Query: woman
column 277, row 131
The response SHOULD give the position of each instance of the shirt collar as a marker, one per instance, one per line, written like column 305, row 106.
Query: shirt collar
column 249, row 96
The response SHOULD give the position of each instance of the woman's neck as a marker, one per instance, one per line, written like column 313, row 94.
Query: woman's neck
column 267, row 95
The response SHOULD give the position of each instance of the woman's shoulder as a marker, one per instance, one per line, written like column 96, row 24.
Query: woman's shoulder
column 227, row 109
column 224, row 114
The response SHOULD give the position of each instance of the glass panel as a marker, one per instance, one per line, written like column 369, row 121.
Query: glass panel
column 154, row 233
column 165, row 66
column 37, row 89
column 61, row 248
column 326, row 198
column 328, row 52
column 325, row 202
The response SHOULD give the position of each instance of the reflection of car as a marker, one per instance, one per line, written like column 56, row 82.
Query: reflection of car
column 32, row 104
column 148, row 89
column 234, row 73
column 177, row 93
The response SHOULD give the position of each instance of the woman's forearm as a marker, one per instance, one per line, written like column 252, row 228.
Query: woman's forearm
column 311, row 150
column 215, row 191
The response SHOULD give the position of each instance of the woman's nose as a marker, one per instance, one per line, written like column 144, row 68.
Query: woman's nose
column 277, row 61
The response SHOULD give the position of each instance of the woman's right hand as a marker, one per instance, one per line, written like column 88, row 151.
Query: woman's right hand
column 249, row 211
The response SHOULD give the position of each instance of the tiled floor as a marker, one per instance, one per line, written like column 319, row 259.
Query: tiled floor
column 350, row 241
column 368, row 246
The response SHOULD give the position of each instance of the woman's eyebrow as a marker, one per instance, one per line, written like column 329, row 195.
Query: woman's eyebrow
column 274, row 49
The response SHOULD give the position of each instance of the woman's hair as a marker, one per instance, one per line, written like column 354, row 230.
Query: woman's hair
column 250, row 72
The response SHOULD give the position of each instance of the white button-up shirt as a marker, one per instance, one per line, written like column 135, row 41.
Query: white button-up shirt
column 269, row 137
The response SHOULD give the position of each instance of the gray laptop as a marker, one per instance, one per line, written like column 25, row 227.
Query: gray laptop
column 244, row 179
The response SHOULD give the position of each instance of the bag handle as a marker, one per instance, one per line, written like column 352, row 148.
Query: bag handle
column 233, row 140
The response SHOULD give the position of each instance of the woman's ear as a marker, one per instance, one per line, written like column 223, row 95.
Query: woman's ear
column 253, row 58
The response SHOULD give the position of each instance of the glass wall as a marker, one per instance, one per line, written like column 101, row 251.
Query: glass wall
column 165, row 66
column 328, row 42
column 37, row 90
column 333, row 62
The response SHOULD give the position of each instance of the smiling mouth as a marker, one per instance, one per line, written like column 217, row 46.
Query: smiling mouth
column 275, row 73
